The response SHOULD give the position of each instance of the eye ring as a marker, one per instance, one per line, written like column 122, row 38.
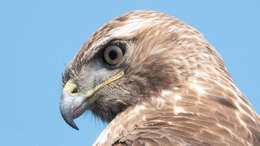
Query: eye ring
column 113, row 54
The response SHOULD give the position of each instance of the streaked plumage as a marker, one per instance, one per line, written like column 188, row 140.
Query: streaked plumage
column 175, row 89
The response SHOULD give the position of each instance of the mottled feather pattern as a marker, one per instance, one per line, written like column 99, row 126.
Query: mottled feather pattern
column 187, row 120
column 191, row 101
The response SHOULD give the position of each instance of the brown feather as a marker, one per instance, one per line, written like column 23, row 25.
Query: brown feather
column 179, row 90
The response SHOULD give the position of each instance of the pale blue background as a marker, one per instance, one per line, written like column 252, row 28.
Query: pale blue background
column 37, row 39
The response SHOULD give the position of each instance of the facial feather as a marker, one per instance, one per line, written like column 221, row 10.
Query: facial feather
column 175, row 83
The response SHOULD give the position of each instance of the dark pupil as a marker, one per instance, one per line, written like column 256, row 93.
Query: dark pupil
column 112, row 54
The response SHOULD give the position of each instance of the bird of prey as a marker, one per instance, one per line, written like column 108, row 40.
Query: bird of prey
column 157, row 81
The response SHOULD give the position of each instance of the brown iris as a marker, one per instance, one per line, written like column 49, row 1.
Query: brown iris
column 113, row 54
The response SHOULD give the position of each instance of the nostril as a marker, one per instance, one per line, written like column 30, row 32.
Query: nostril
column 75, row 90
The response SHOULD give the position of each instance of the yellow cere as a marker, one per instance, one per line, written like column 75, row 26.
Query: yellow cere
column 69, row 87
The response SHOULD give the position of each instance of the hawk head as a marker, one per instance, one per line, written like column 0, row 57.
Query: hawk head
column 130, row 59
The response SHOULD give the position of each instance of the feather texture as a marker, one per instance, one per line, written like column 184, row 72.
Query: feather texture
column 176, row 90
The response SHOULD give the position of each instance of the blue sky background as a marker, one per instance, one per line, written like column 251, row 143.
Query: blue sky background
column 38, row 38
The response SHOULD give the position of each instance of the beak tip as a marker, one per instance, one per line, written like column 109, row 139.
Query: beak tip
column 70, row 122
column 68, row 116
column 73, row 125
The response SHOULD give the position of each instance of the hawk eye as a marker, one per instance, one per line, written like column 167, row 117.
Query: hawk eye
column 113, row 54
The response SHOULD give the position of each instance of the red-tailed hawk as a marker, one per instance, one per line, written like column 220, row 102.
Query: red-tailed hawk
column 157, row 81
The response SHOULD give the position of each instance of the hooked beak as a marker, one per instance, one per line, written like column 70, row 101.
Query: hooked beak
column 72, row 104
